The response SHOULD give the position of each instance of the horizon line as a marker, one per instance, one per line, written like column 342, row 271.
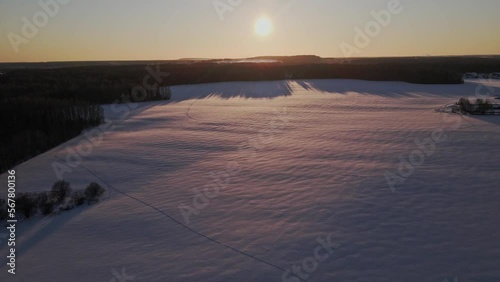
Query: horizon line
column 242, row 58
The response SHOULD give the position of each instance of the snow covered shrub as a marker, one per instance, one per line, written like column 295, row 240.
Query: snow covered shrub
column 77, row 198
column 26, row 205
column 479, row 107
column 3, row 209
column 483, row 106
column 94, row 192
column 60, row 190
column 464, row 105
column 44, row 203
column 67, row 207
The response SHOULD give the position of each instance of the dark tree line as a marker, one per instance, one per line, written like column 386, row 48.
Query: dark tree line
column 107, row 83
column 32, row 125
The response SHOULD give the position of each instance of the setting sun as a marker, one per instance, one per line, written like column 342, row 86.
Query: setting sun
column 263, row 27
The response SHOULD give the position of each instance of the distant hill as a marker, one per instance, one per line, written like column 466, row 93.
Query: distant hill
column 300, row 59
column 479, row 63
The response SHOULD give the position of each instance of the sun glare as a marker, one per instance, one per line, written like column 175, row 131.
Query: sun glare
column 263, row 27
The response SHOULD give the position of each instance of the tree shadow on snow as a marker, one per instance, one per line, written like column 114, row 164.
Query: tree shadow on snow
column 246, row 90
column 283, row 88
column 390, row 89
column 45, row 226
column 488, row 118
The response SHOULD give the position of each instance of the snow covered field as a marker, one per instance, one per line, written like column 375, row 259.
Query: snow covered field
column 276, row 170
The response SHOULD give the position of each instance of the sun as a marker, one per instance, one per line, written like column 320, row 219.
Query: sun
column 263, row 26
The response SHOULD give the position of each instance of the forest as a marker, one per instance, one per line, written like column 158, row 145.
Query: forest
column 33, row 125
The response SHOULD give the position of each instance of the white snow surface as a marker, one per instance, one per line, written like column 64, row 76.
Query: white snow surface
column 312, row 156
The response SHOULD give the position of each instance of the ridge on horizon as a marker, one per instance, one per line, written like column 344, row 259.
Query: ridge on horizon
column 258, row 57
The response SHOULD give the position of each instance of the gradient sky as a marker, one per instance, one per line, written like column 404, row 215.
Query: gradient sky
column 171, row 29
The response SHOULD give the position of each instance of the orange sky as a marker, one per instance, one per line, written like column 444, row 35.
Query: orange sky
column 153, row 30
